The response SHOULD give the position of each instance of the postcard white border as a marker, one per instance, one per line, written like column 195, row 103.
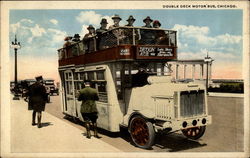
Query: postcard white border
column 5, row 75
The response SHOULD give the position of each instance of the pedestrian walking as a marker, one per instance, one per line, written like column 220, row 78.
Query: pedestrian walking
column 89, row 112
column 37, row 100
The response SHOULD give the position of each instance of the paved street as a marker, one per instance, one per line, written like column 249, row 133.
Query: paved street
column 65, row 135
column 224, row 135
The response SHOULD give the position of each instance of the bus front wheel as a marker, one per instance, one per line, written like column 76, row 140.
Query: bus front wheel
column 194, row 132
column 142, row 132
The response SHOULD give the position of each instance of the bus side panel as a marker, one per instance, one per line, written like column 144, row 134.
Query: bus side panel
column 78, row 109
column 61, row 92
column 103, row 115
column 114, row 112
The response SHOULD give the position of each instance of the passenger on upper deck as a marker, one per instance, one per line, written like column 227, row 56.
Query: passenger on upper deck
column 89, row 41
column 102, row 38
column 161, row 37
column 147, row 36
column 128, row 33
column 103, row 27
column 117, row 34
column 67, row 41
column 147, row 22
column 130, row 21
column 76, row 38
column 74, row 48
column 116, row 19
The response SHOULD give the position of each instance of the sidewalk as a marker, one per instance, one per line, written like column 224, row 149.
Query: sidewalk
column 55, row 135
column 237, row 95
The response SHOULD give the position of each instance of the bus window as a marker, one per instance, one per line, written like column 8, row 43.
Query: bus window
column 118, row 74
column 100, row 75
column 101, row 87
column 90, row 75
column 82, row 76
column 69, row 76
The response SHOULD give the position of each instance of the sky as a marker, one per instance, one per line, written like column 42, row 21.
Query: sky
column 42, row 32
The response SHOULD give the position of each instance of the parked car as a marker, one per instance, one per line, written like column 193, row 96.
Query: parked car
column 50, row 85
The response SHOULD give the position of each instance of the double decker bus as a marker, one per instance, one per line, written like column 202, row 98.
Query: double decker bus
column 128, row 67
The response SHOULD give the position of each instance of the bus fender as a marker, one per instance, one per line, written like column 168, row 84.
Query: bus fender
column 146, row 114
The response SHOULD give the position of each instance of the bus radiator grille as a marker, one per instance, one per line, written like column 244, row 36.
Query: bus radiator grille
column 192, row 103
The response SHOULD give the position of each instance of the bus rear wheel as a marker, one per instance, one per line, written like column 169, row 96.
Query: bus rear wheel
column 194, row 132
column 142, row 132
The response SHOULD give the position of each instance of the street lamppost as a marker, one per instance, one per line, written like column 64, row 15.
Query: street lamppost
column 207, row 60
column 15, row 45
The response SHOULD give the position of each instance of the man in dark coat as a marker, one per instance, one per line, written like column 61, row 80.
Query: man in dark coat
column 128, row 32
column 88, row 96
column 130, row 21
column 102, row 39
column 37, row 100
column 147, row 36
column 103, row 27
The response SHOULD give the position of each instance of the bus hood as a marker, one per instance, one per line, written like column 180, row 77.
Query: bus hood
column 143, row 97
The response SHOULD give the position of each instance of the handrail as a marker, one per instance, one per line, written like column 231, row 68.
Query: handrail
column 123, row 35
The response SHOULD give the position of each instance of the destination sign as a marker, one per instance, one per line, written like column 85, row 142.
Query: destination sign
column 155, row 51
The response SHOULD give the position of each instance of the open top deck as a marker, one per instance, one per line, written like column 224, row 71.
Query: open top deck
column 121, row 44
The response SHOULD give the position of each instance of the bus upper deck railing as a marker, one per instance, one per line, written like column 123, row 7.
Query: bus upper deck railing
column 119, row 36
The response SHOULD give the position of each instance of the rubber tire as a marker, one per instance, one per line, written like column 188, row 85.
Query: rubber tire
column 150, row 129
column 200, row 134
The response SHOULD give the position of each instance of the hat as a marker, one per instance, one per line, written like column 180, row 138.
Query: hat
column 87, row 81
column 76, row 36
column 148, row 18
column 156, row 22
column 90, row 27
column 67, row 38
column 104, row 21
column 116, row 17
column 39, row 78
column 131, row 18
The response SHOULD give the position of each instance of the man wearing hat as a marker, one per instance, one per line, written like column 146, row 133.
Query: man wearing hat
column 102, row 39
column 37, row 100
column 128, row 32
column 148, row 22
column 76, row 38
column 89, row 40
column 117, row 34
column 91, row 33
column 116, row 19
column 161, row 37
column 147, row 36
column 130, row 21
column 103, row 27
column 89, row 112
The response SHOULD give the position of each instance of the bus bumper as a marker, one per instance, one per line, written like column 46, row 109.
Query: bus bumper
column 184, row 123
